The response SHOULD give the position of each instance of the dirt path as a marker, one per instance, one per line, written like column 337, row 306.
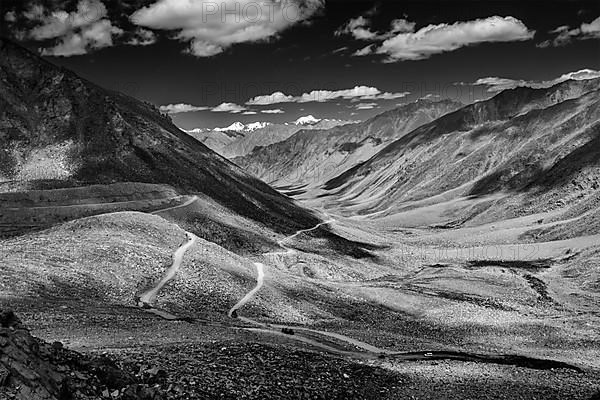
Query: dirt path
column 187, row 203
column 148, row 298
column 260, row 280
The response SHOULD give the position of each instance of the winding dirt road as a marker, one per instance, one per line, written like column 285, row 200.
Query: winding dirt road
column 260, row 280
column 368, row 351
column 148, row 298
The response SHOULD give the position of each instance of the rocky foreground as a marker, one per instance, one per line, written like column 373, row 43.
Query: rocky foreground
column 31, row 369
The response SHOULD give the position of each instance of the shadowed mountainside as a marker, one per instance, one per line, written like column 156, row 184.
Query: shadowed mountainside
column 57, row 127
column 541, row 145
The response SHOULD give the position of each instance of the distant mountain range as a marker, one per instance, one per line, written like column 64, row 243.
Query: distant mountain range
column 521, row 152
column 239, row 139
column 310, row 158
column 57, row 129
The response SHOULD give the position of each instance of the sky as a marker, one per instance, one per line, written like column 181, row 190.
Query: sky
column 211, row 63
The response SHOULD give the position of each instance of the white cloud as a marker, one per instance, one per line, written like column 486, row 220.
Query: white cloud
column 358, row 28
column 365, row 51
column 366, row 106
column 386, row 96
column 228, row 107
column 436, row 39
column 275, row 98
column 275, row 111
column 565, row 34
column 95, row 36
column 401, row 42
column 402, row 25
column 249, row 113
column 181, row 108
column 339, row 50
column 77, row 31
column 320, row 96
column 10, row 16
column 201, row 48
column 211, row 27
column 495, row 84
column 143, row 37
column 593, row 28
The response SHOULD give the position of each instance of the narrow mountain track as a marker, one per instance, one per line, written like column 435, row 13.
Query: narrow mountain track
column 148, row 298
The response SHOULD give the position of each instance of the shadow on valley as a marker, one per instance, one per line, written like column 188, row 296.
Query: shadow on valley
column 336, row 244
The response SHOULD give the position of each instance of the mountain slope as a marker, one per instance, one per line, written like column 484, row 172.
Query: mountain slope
column 313, row 157
column 215, row 140
column 272, row 134
column 539, row 145
column 56, row 127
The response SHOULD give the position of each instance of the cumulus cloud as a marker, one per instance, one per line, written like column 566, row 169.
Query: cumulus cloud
column 402, row 42
column 436, row 39
column 95, row 36
column 320, row 96
column 211, row 27
column 402, row 26
column 356, row 94
column 77, row 32
column 328, row 95
column 496, row 84
column 565, row 34
column 228, row 107
column 593, row 28
column 275, row 98
column 274, row 111
column 386, row 96
column 186, row 108
column 359, row 28
column 182, row 108
column 10, row 16
column 365, row 51
column 142, row 37
column 366, row 106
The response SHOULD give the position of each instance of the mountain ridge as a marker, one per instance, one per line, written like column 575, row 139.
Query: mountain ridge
column 310, row 158
column 507, row 144
column 58, row 127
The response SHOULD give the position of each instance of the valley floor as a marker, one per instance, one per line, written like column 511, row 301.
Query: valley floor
column 424, row 290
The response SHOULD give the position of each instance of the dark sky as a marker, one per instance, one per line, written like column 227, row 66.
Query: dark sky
column 302, row 57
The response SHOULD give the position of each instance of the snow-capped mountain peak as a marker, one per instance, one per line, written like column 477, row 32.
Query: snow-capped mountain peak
column 239, row 127
column 256, row 125
column 235, row 127
column 307, row 120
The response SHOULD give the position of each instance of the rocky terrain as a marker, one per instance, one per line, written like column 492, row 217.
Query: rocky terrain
column 31, row 369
